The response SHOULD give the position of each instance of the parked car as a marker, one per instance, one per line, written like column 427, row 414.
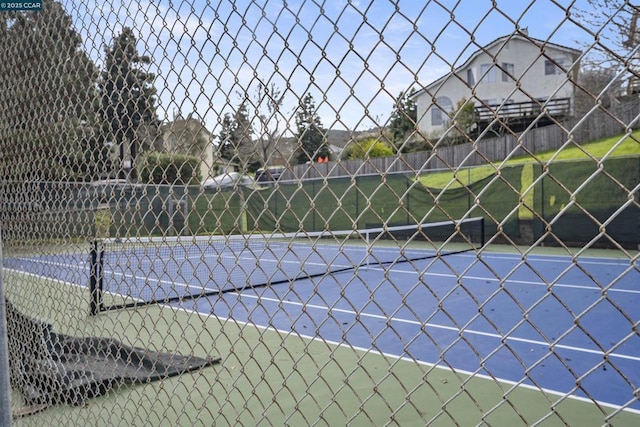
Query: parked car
column 228, row 180
column 268, row 174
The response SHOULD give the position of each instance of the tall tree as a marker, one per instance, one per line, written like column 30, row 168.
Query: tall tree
column 235, row 140
column 309, row 132
column 403, row 121
column 47, row 93
column 128, row 98
column 597, row 86
column 244, row 147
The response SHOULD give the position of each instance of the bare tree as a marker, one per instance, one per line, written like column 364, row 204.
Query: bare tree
column 613, row 25
column 268, row 102
column 598, row 86
column 615, row 49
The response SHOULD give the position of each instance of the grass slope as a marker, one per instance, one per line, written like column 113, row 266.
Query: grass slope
column 616, row 146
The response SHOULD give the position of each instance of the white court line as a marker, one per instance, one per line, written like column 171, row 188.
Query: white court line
column 465, row 276
column 469, row 374
column 564, row 259
column 174, row 283
column 370, row 267
column 444, row 327
column 78, row 267
column 394, row 319
column 509, row 281
column 171, row 282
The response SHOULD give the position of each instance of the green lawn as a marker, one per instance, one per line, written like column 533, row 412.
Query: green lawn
column 607, row 147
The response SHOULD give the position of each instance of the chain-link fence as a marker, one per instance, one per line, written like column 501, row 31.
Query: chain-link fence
column 327, row 213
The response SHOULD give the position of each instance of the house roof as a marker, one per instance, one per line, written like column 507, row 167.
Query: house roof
column 500, row 40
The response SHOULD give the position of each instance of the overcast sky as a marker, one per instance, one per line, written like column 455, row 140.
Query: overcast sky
column 352, row 56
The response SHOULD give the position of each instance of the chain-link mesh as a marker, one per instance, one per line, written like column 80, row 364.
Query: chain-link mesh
column 328, row 213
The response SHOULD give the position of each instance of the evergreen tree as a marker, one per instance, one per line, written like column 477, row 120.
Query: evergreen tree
column 403, row 122
column 309, row 132
column 235, row 142
column 47, row 89
column 128, row 98
column 244, row 149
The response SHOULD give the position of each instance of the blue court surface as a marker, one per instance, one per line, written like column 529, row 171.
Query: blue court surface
column 551, row 322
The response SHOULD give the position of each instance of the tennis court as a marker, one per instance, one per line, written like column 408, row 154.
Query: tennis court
column 452, row 237
column 547, row 322
column 566, row 337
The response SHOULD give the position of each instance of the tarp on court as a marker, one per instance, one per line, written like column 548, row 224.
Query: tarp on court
column 51, row 368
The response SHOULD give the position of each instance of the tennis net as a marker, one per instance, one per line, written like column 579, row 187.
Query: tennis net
column 142, row 271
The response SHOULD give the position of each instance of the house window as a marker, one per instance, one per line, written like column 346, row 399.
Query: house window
column 470, row 79
column 558, row 65
column 436, row 116
column 439, row 110
column 551, row 68
column 489, row 74
column 507, row 71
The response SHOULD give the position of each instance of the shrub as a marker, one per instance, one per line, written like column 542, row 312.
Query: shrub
column 367, row 148
column 163, row 168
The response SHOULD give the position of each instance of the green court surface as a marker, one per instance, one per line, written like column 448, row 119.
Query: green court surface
column 270, row 377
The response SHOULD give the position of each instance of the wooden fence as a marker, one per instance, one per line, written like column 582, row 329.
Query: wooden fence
column 596, row 125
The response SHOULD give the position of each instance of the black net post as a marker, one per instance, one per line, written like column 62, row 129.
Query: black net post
column 96, row 304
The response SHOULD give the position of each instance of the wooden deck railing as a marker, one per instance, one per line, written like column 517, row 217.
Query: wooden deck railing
column 523, row 110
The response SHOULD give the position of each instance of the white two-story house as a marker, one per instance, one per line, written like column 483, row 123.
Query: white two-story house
column 515, row 78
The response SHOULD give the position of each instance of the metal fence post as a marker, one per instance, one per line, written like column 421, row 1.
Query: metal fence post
column 5, row 387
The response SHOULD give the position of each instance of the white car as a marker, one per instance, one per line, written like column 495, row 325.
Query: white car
column 228, row 180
